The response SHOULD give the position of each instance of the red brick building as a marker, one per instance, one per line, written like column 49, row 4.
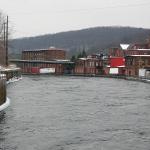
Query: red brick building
column 116, row 66
column 137, row 52
column 44, row 61
column 145, row 45
column 136, row 62
column 131, row 52
column 88, row 66
column 117, row 52
column 44, row 54
column 117, row 62
column 39, row 67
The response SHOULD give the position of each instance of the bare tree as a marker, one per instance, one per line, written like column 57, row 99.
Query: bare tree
column 2, row 28
column 3, row 39
column 1, row 23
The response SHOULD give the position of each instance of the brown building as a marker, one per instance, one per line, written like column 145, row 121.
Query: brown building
column 144, row 45
column 116, row 52
column 43, row 67
column 88, row 66
column 44, row 54
column 136, row 62
column 137, row 52
column 52, row 61
column 2, row 55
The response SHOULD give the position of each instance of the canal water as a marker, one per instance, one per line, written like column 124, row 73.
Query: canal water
column 76, row 113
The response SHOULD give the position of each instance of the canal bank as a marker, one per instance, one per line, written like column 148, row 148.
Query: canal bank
column 76, row 113
column 130, row 78
column 4, row 101
column 12, row 74
column 7, row 75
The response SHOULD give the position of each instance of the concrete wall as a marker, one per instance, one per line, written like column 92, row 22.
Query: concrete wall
column 2, row 91
column 2, row 55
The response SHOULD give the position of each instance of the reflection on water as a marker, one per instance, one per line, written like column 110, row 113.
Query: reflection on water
column 2, row 132
column 76, row 113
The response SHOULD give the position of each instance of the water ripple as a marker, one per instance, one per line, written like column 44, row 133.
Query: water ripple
column 75, row 113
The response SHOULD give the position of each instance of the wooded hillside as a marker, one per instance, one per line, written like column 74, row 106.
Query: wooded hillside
column 91, row 39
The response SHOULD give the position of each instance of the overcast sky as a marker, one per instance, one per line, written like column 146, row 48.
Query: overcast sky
column 35, row 17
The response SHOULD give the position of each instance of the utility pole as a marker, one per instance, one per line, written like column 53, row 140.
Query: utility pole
column 4, row 40
column 5, row 26
column 7, row 41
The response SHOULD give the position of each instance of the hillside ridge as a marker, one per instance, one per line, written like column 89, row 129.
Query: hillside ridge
column 90, row 39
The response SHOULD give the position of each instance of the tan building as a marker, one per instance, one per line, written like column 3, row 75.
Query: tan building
column 44, row 54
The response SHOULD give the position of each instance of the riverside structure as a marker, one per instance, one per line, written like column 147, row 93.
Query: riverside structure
column 4, row 101
column 51, row 60
column 125, row 61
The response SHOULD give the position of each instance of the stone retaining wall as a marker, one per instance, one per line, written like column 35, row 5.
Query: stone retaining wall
column 2, row 90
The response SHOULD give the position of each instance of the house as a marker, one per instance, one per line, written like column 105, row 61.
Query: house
column 89, row 66
column 135, row 64
column 116, row 65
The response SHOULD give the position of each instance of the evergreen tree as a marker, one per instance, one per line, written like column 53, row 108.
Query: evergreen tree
column 84, row 54
column 79, row 55
column 73, row 58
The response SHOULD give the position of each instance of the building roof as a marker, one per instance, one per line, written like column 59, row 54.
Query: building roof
column 144, row 49
column 116, row 57
column 83, row 58
column 10, row 69
column 46, row 49
column 42, row 61
column 108, row 66
column 90, row 58
column 138, row 55
column 124, row 46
